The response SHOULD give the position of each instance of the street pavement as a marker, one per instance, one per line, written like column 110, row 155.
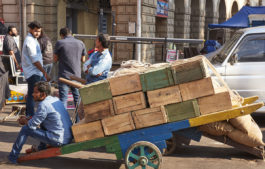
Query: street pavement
column 206, row 154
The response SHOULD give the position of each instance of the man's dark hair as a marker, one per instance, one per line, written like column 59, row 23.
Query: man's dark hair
column 10, row 28
column 65, row 31
column 43, row 87
column 34, row 24
column 103, row 38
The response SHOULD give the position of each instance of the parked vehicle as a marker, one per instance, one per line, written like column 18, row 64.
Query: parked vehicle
column 241, row 62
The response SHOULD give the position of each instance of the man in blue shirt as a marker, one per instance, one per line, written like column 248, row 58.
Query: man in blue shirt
column 32, row 63
column 70, row 52
column 99, row 64
column 51, row 116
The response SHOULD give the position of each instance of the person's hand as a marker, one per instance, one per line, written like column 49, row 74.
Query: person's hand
column 48, row 78
column 18, row 67
column 22, row 120
column 98, row 75
column 88, row 66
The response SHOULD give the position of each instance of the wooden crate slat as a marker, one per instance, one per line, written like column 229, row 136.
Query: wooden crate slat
column 88, row 131
column 98, row 110
column 129, row 102
column 164, row 96
column 118, row 124
column 156, row 78
column 125, row 84
column 95, row 92
column 182, row 111
column 149, row 117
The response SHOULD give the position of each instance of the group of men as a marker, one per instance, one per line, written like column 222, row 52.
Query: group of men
column 51, row 124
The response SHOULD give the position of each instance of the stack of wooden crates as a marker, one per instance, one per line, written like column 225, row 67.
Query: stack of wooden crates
column 179, row 91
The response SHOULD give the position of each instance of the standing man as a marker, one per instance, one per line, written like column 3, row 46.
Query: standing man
column 53, row 118
column 10, row 46
column 99, row 64
column 46, row 51
column 32, row 63
column 70, row 52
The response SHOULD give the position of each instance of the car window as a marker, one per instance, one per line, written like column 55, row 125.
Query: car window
column 251, row 49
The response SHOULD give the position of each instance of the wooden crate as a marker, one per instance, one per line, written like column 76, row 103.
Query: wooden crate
column 125, row 84
column 149, row 117
column 118, row 124
column 182, row 111
column 189, row 70
column 156, row 78
column 95, row 92
column 214, row 103
column 164, row 96
column 88, row 131
column 197, row 89
column 98, row 110
column 129, row 102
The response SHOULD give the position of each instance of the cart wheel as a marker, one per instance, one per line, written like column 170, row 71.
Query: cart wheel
column 171, row 145
column 143, row 155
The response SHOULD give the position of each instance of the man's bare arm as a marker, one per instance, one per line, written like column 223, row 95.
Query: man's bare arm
column 14, row 57
column 55, row 58
column 39, row 66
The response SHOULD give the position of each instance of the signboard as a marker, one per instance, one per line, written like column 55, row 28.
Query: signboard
column 162, row 8
column 172, row 55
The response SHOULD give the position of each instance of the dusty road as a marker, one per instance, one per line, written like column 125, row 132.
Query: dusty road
column 206, row 154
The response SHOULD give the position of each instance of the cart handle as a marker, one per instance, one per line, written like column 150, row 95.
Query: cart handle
column 71, row 83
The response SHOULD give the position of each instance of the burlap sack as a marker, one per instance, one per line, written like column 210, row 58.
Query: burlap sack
column 217, row 128
column 252, row 139
column 242, row 123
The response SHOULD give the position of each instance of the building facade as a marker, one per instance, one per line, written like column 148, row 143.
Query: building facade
column 185, row 19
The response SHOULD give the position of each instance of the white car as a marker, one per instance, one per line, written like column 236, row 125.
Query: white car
column 241, row 62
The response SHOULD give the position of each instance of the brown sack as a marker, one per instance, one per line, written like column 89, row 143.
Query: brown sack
column 252, row 139
column 217, row 128
column 242, row 123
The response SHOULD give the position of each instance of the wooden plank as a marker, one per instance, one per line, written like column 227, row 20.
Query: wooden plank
column 98, row 110
column 129, row 102
column 214, row 103
column 258, row 152
column 164, row 96
column 188, row 70
column 118, row 124
column 250, row 100
column 88, row 131
column 125, row 84
column 225, row 115
column 95, row 92
column 111, row 143
column 197, row 89
column 183, row 110
column 149, row 117
column 47, row 153
column 156, row 78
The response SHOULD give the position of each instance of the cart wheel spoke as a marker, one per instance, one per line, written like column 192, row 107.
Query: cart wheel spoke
column 142, row 151
column 151, row 155
column 134, row 156
column 134, row 166
column 152, row 164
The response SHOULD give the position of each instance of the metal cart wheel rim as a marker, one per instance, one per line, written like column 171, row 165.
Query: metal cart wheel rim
column 148, row 156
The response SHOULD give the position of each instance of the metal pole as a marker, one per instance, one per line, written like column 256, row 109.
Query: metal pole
column 20, row 25
column 24, row 20
column 138, row 30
